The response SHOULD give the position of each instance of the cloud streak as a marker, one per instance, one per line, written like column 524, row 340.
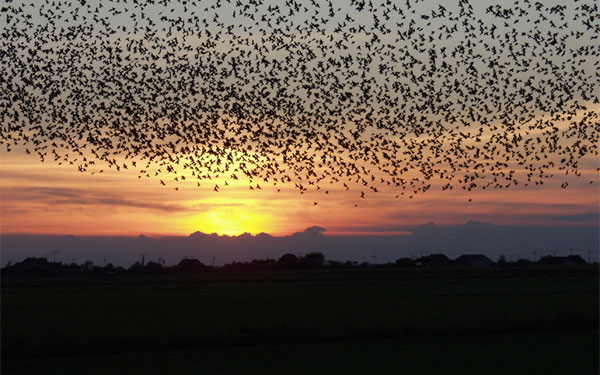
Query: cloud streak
column 58, row 196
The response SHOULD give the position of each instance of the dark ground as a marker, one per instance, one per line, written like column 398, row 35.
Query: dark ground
column 448, row 321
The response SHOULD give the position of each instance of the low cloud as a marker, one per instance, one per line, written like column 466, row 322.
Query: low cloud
column 592, row 216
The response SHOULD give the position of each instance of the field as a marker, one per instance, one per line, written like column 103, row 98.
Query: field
column 347, row 321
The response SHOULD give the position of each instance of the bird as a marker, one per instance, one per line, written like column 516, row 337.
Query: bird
column 416, row 98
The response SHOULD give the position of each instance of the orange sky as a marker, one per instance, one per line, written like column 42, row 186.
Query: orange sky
column 57, row 199
column 48, row 198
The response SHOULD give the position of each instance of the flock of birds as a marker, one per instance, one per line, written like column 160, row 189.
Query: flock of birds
column 410, row 94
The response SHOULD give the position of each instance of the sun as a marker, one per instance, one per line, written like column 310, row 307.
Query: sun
column 231, row 221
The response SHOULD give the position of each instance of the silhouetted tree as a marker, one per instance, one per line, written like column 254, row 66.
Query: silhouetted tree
column 190, row 265
column 288, row 261
column 153, row 268
column 312, row 260
column 263, row 264
column 334, row 264
column 136, row 267
column 32, row 266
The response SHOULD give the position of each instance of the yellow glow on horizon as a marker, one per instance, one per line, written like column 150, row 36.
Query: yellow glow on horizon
column 47, row 198
column 230, row 220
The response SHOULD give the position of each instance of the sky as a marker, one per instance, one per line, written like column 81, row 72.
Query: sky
column 47, row 198
column 54, row 198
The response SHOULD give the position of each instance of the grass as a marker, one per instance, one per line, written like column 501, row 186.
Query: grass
column 301, row 322
column 524, row 353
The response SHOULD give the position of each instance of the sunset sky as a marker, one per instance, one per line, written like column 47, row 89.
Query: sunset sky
column 48, row 198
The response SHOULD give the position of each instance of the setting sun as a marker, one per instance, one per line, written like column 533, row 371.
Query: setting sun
column 230, row 220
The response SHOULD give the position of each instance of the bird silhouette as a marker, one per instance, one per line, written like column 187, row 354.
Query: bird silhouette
column 373, row 93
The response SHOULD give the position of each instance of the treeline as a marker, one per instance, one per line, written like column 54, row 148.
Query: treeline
column 42, row 267
column 311, row 261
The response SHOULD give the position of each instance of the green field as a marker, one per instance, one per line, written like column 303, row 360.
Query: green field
column 376, row 321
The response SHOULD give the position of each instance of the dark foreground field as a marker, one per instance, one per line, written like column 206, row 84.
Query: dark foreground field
column 320, row 322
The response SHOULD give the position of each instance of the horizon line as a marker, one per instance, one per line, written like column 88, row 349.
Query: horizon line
column 350, row 232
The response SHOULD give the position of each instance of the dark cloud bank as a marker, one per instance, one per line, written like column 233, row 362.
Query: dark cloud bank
column 471, row 237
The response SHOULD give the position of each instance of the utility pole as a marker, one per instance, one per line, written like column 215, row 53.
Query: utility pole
column 143, row 255
column 53, row 252
column 535, row 256
column 571, row 251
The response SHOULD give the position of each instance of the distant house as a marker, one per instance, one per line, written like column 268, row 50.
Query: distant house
column 473, row 260
column 561, row 261
column 433, row 260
